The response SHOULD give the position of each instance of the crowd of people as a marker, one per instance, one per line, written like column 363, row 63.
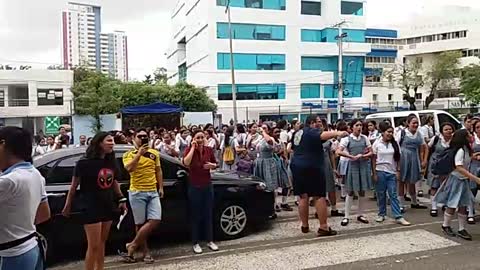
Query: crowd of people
column 309, row 160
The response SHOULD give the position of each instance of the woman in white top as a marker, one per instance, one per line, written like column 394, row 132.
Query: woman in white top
column 385, row 169
column 167, row 146
column 373, row 134
column 51, row 145
column 455, row 192
column 182, row 141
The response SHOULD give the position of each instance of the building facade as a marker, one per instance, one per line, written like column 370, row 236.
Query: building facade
column 28, row 96
column 85, row 44
column 285, row 55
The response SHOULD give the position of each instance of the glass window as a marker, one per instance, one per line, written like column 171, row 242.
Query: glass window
column 308, row 35
column 330, row 91
column 252, row 91
column 390, row 97
column 251, row 31
column 262, row 4
column 62, row 173
column 2, row 98
column 319, row 63
column 311, row 8
column 50, row 97
column 352, row 8
column 245, row 61
column 444, row 118
column 310, row 90
column 182, row 72
column 374, row 97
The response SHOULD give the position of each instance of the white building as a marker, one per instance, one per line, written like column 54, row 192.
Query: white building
column 85, row 44
column 437, row 30
column 28, row 96
column 285, row 54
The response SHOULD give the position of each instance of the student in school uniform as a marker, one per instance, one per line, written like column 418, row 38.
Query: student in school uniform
column 358, row 149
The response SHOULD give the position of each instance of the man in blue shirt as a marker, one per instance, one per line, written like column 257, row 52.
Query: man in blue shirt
column 308, row 172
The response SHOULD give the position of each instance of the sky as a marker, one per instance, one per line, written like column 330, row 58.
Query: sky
column 30, row 30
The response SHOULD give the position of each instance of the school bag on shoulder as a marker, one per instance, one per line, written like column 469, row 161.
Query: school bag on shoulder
column 228, row 155
column 444, row 163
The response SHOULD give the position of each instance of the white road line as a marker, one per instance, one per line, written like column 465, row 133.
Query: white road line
column 321, row 253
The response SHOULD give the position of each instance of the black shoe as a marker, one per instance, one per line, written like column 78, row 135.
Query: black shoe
column 464, row 235
column 286, row 207
column 277, row 209
column 407, row 199
column 434, row 213
column 420, row 193
column 448, row 231
column 322, row 232
column 272, row 217
column 418, row 206
column 471, row 220
column 362, row 219
column 345, row 222
column 336, row 213
column 305, row 229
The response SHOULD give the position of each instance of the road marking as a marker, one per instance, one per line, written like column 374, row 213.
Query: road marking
column 321, row 253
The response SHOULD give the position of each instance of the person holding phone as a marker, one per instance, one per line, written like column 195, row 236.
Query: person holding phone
column 200, row 159
column 146, row 189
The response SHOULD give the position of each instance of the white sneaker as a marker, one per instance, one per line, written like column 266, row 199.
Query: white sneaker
column 197, row 249
column 212, row 246
column 380, row 219
column 403, row 222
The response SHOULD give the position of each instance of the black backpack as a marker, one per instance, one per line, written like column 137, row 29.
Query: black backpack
column 444, row 163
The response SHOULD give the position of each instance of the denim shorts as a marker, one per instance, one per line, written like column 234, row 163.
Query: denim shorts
column 145, row 206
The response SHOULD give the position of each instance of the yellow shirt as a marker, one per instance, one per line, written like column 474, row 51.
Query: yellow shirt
column 144, row 177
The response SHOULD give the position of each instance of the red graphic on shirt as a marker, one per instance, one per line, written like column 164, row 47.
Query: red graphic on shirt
column 105, row 178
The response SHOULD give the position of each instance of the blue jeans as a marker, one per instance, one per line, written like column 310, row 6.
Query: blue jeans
column 29, row 260
column 201, row 212
column 387, row 182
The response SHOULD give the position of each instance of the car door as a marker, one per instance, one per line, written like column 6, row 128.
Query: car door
column 58, row 178
column 174, row 202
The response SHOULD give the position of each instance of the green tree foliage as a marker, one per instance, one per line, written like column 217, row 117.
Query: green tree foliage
column 409, row 80
column 470, row 83
column 187, row 96
column 441, row 75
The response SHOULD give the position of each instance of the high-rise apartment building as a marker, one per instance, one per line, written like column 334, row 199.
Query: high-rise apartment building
column 85, row 44
column 285, row 54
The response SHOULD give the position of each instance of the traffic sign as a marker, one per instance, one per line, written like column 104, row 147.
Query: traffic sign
column 52, row 124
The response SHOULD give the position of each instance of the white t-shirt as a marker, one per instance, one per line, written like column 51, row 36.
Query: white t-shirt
column 384, row 157
column 398, row 135
column 344, row 141
column 460, row 158
column 165, row 148
column 441, row 140
column 284, row 138
column 22, row 189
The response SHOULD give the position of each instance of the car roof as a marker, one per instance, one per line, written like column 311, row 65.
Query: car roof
column 73, row 151
column 401, row 113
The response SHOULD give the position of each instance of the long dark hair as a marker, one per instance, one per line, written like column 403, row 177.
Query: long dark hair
column 460, row 140
column 384, row 126
column 94, row 149
column 228, row 135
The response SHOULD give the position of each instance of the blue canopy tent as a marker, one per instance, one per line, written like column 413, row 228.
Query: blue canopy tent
column 153, row 115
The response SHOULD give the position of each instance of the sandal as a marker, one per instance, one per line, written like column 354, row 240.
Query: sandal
column 305, row 229
column 345, row 222
column 148, row 259
column 434, row 213
column 126, row 258
column 322, row 232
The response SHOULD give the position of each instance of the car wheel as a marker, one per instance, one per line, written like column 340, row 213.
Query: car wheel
column 231, row 221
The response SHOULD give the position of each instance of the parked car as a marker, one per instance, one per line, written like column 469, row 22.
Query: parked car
column 240, row 200
column 397, row 118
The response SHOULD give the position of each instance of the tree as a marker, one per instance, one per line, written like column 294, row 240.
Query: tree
column 442, row 73
column 93, row 95
column 189, row 97
column 470, row 83
column 409, row 79
column 148, row 79
column 160, row 75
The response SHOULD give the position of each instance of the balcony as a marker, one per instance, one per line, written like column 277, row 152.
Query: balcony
column 385, row 46
column 18, row 102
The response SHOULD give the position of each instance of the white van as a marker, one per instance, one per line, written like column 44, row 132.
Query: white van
column 397, row 118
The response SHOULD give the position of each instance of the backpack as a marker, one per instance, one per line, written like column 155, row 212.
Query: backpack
column 444, row 164
column 402, row 136
column 228, row 155
column 436, row 139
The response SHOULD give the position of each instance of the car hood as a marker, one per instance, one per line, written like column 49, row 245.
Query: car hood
column 234, row 176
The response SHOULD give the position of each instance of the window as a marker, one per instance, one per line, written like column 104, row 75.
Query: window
column 330, row 91
column 182, row 72
column 262, row 4
column 310, row 90
column 374, row 97
column 319, row 63
column 49, row 97
column 330, row 34
column 2, row 98
column 63, row 171
column 418, row 96
column 444, row 118
column 251, row 31
column 245, row 61
column 390, row 97
column 372, row 78
column 252, row 91
column 311, row 8
column 352, row 8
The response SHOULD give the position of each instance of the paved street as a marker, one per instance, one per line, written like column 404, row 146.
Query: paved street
column 358, row 246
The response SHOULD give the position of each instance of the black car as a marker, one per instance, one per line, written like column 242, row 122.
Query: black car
column 240, row 200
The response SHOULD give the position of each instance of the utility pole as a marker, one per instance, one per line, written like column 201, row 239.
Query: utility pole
column 340, row 37
column 232, row 65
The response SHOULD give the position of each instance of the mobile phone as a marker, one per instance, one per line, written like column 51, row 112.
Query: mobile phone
column 144, row 141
